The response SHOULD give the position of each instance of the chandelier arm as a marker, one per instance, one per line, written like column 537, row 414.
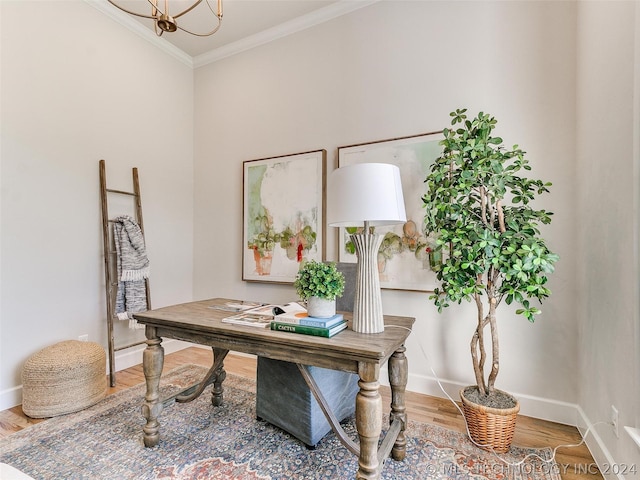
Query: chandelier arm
column 219, row 13
column 158, row 14
column 202, row 34
column 129, row 11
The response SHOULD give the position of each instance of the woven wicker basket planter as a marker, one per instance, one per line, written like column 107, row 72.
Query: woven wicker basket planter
column 490, row 428
column 63, row 378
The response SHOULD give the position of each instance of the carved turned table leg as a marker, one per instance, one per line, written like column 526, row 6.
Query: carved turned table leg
column 368, row 420
column 152, row 363
column 220, row 375
column 398, row 374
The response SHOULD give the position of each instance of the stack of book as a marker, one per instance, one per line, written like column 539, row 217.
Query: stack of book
column 289, row 317
column 300, row 322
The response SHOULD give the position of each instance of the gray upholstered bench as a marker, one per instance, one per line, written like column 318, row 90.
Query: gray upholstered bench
column 284, row 399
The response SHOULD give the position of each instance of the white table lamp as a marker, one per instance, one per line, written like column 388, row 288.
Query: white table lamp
column 366, row 195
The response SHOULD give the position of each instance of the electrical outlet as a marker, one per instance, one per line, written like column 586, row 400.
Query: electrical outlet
column 84, row 338
column 614, row 420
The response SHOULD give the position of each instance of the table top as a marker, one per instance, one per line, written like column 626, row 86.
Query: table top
column 198, row 322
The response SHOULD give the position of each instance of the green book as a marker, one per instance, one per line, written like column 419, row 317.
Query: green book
column 307, row 330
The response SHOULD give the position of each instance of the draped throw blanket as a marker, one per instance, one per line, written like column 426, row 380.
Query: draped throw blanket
column 132, row 269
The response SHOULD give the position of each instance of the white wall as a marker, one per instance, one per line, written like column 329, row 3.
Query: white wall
column 77, row 88
column 607, row 216
column 91, row 90
column 394, row 69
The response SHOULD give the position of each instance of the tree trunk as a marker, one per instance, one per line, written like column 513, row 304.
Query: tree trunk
column 478, row 352
column 495, row 346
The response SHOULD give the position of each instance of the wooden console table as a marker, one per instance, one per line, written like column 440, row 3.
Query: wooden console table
column 348, row 351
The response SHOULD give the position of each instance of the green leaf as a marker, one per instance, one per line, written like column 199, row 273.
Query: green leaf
column 472, row 160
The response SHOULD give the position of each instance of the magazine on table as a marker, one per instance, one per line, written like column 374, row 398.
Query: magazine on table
column 236, row 306
column 278, row 309
column 249, row 319
column 262, row 315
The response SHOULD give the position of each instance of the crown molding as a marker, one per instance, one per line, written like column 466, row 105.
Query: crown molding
column 342, row 7
column 136, row 27
column 337, row 9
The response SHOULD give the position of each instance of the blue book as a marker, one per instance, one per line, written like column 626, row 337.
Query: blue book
column 301, row 318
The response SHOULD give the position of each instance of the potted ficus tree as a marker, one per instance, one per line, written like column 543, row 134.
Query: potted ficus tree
column 319, row 284
column 480, row 209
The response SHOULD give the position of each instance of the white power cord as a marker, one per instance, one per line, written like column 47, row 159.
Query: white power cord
column 489, row 447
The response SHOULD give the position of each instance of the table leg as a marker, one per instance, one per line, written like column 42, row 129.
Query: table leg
column 152, row 363
column 398, row 374
column 368, row 420
column 220, row 375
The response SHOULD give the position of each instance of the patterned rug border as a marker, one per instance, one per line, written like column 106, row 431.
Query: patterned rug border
column 460, row 453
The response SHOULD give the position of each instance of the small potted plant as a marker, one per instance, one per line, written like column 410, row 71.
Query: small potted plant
column 480, row 209
column 319, row 284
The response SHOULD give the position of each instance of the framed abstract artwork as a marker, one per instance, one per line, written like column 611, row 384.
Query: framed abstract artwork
column 407, row 259
column 283, row 215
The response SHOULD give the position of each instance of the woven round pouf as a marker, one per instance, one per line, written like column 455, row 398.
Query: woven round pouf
column 63, row 378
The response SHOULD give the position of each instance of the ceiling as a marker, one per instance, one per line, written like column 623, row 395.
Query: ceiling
column 242, row 19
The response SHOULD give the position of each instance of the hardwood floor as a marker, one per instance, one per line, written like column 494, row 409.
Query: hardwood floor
column 574, row 463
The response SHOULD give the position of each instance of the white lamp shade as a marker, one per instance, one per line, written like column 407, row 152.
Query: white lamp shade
column 370, row 192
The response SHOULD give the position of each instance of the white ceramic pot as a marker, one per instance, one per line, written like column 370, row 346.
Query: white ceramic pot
column 321, row 307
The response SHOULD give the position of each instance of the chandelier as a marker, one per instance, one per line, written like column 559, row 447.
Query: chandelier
column 165, row 22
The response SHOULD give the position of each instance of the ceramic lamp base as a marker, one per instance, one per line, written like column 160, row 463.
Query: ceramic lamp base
column 367, row 308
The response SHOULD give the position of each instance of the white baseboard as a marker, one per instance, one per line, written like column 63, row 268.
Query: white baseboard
column 597, row 447
column 537, row 407
column 12, row 397
column 531, row 406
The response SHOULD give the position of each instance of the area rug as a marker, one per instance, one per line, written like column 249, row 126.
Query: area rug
column 199, row 441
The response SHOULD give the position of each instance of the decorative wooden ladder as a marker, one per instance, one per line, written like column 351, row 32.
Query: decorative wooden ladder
column 110, row 270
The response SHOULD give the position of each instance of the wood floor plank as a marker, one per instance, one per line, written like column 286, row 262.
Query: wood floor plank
column 573, row 463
